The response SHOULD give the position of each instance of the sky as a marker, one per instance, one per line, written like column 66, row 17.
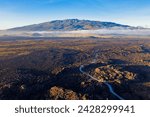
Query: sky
column 14, row 13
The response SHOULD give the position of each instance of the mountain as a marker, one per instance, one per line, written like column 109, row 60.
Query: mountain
column 69, row 25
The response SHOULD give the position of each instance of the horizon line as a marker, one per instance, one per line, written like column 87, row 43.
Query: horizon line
column 17, row 26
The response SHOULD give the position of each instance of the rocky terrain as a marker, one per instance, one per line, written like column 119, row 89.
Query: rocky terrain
column 112, row 74
column 49, row 68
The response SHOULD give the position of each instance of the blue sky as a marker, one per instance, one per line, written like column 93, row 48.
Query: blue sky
column 23, row 12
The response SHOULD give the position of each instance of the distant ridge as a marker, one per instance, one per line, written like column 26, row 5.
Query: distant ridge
column 70, row 25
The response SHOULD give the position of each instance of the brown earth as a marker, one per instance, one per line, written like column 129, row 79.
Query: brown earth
column 49, row 68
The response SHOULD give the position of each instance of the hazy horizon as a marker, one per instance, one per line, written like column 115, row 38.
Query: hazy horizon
column 25, row 12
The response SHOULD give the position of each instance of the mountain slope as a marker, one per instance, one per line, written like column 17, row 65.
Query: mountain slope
column 68, row 25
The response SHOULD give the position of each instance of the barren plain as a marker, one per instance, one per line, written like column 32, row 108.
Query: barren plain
column 48, row 68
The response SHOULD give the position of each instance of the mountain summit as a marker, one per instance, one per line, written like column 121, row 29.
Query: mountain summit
column 69, row 25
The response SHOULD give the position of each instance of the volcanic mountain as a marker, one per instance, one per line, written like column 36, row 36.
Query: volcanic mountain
column 70, row 25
